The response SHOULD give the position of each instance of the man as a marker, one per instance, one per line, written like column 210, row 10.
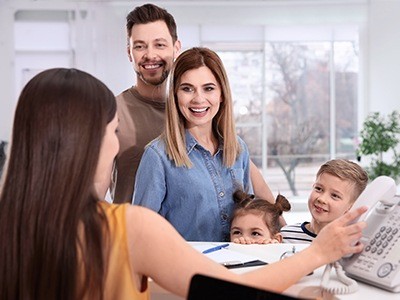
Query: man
column 152, row 47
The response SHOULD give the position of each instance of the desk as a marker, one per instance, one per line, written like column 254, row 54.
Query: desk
column 307, row 287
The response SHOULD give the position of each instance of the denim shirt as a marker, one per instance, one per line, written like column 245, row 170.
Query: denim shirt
column 197, row 201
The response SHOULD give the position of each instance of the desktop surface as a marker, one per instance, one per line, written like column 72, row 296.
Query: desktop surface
column 307, row 288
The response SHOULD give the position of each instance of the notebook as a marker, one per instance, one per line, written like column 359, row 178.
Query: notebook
column 229, row 258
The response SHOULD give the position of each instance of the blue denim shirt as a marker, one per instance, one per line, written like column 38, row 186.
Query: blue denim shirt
column 197, row 201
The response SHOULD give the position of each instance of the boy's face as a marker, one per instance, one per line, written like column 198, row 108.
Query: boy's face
column 330, row 198
column 152, row 51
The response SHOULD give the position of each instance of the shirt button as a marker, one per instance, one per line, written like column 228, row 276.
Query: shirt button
column 224, row 217
column 221, row 194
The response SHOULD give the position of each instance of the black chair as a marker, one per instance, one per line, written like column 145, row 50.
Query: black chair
column 210, row 288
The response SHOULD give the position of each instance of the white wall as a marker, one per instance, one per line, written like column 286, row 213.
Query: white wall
column 384, row 56
column 99, row 39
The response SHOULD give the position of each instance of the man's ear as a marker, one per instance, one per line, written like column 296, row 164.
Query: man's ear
column 128, row 51
column 278, row 237
column 177, row 48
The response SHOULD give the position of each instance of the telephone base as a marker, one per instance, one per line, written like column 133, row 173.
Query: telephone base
column 394, row 289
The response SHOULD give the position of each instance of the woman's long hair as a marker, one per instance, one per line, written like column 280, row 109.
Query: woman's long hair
column 223, row 122
column 51, row 228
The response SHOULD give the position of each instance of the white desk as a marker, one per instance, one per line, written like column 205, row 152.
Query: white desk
column 307, row 287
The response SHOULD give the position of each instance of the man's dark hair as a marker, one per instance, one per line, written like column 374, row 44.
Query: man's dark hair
column 148, row 13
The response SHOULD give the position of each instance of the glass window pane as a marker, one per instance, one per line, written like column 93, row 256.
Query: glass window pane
column 297, row 86
column 290, row 85
column 252, row 135
column 346, row 86
column 244, row 70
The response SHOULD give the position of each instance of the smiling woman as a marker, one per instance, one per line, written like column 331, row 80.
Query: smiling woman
column 199, row 98
column 189, row 174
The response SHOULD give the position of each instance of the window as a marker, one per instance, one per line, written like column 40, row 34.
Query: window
column 295, row 106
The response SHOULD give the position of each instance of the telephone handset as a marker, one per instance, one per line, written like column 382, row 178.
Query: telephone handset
column 379, row 263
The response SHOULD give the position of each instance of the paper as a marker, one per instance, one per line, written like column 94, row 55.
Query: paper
column 225, row 256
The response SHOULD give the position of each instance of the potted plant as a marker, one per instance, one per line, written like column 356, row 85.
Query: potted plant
column 380, row 139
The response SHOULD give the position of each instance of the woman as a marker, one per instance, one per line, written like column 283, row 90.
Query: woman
column 60, row 241
column 189, row 174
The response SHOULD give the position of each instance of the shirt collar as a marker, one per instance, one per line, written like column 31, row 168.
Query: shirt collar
column 191, row 142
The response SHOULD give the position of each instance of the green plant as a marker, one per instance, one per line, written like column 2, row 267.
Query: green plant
column 380, row 137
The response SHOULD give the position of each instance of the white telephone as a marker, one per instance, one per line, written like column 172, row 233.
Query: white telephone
column 379, row 263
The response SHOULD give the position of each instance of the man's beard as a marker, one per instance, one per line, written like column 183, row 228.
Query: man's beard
column 154, row 81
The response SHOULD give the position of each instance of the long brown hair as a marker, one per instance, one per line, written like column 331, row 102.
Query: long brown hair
column 223, row 122
column 51, row 228
column 247, row 203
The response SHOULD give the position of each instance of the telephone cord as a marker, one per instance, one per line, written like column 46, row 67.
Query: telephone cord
column 348, row 285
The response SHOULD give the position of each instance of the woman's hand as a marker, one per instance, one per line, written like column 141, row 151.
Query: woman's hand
column 248, row 241
column 340, row 237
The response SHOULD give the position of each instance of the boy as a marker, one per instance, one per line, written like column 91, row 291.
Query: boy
column 338, row 184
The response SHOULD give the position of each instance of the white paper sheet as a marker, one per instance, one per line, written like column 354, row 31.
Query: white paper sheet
column 224, row 255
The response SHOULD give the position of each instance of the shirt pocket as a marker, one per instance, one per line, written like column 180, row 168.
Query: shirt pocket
column 237, row 178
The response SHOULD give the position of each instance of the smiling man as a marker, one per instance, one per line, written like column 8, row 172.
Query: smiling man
column 338, row 184
column 152, row 46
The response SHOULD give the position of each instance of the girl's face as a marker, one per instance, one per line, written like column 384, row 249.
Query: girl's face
column 199, row 97
column 251, row 227
column 108, row 151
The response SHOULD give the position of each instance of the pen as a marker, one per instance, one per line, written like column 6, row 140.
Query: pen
column 216, row 248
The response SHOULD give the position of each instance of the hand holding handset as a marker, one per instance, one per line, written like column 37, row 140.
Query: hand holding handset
column 379, row 262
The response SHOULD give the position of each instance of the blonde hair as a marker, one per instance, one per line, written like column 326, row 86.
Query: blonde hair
column 348, row 171
column 223, row 122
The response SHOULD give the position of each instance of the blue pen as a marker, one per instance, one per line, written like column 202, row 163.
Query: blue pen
column 216, row 248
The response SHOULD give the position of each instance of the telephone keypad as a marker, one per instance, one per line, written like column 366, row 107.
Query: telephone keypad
column 381, row 240
column 376, row 248
column 380, row 255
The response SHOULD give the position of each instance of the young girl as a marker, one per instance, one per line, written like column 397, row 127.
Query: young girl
column 256, row 221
